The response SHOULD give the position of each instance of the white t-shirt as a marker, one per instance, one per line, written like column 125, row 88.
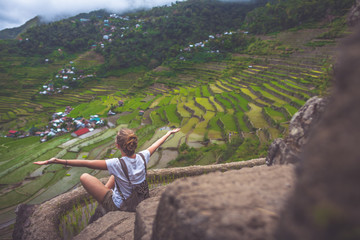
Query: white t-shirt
column 136, row 169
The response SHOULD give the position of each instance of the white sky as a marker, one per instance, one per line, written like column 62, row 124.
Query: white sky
column 14, row 13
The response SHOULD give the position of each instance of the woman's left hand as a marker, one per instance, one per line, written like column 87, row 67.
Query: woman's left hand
column 174, row 130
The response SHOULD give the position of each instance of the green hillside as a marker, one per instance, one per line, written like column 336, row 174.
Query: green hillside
column 232, row 92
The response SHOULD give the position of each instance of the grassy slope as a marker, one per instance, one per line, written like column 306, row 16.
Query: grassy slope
column 224, row 106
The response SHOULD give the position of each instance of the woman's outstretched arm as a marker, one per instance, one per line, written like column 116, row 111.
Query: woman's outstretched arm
column 160, row 141
column 94, row 164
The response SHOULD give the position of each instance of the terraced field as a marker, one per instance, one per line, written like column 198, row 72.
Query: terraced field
column 258, row 97
column 250, row 96
column 247, row 94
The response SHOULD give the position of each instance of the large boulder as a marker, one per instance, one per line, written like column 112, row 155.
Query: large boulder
column 145, row 215
column 242, row 204
column 283, row 151
column 325, row 204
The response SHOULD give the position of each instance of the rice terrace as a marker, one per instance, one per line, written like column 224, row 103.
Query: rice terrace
column 228, row 108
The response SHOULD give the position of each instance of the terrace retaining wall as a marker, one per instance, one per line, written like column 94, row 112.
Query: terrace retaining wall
column 271, row 121
column 260, row 96
column 222, row 105
column 293, row 94
column 199, row 105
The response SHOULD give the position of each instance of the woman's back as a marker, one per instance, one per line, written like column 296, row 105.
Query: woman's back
column 136, row 171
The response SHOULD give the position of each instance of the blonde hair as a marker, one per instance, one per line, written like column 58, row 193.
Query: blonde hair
column 127, row 141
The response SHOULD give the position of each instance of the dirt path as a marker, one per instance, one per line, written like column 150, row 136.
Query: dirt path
column 146, row 117
column 166, row 157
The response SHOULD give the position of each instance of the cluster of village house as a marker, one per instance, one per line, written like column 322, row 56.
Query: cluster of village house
column 108, row 30
column 202, row 44
column 70, row 73
column 61, row 124
column 67, row 74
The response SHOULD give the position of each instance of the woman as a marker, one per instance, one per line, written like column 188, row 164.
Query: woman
column 108, row 195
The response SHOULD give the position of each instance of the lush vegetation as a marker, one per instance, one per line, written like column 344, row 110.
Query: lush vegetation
column 279, row 15
column 144, row 38
column 229, row 104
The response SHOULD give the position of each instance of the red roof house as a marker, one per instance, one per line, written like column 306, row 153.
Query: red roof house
column 12, row 133
column 80, row 132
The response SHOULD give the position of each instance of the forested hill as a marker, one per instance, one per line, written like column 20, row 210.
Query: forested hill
column 140, row 37
column 149, row 37
column 279, row 15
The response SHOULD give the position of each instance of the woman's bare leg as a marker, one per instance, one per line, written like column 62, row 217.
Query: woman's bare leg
column 94, row 187
column 111, row 182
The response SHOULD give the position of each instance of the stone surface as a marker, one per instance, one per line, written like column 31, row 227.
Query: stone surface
column 44, row 221
column 325, row 204
column 100, row 211
column 120, row 225
column 145, row 215
column 114, row 225
column 354, row 15
column 23, row 212
column 241, row 204
column 283, row 151
column 279, row 152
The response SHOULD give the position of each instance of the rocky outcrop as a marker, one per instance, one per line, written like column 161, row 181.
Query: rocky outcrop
column 23, row 213
column 325, row 204
column 48, row 213
column 282, row 151
column 115, row 225
column 242, row 204
column 120, row 225
column 43, row 222
column 354, row 15
column 145, row 215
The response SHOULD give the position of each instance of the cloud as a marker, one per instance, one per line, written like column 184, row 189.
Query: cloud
column 14, row 13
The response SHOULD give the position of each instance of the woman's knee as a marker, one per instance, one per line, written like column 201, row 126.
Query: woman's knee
column 84, row 177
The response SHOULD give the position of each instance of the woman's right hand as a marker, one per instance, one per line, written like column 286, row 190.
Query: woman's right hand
column 52, row 160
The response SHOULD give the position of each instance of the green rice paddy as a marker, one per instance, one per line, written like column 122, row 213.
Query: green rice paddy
column 211, row 100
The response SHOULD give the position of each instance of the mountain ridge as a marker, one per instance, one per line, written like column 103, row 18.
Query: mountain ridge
column 14, row 33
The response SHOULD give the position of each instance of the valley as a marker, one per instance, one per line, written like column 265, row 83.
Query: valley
column 250, row 96
column 229, row 103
